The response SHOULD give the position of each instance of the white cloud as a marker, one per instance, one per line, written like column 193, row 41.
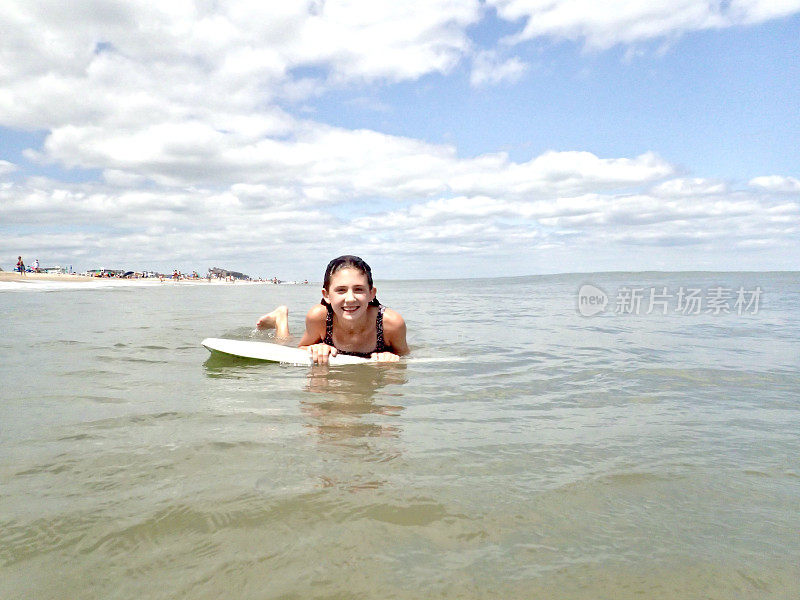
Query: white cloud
column 138, row 62
column 776, row 183
column 690, row 187
column 7, row 167
column 602, row 25
column 489, row 69
column 555, row 173
column 495, row 227
column 257, row 224
column 347, row 163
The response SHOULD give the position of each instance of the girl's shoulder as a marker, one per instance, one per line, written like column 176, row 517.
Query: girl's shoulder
column 316, row 321
column 318, row 312
column 394, row 330
column 392, row 319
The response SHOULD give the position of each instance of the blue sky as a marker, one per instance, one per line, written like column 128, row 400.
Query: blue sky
column 708, row 95
column 436, row 139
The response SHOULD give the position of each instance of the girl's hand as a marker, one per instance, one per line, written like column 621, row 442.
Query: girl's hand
column 384, row 357
column 320, row 353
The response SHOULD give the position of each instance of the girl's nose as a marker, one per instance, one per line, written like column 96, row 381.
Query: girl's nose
column 349, row 295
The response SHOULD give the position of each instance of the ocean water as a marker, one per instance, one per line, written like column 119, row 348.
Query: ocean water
column 629, row 454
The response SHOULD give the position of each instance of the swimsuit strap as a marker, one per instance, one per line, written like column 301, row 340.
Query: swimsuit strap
column 329, row 326
column 380, row 345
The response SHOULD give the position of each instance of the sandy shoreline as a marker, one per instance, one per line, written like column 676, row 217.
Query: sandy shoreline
column 12, row 277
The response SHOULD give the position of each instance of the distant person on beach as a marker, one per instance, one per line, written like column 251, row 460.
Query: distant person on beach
column 20, row 266
column 348, row 320
column 36, row 266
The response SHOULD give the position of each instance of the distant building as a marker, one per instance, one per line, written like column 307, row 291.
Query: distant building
column 218, row 273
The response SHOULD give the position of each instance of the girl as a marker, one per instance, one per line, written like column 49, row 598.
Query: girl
column 348, row 320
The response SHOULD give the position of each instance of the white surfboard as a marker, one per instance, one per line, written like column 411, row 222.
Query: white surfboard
column 273, row 352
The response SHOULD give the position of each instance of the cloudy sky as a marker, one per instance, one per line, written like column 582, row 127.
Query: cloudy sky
column 435, row 138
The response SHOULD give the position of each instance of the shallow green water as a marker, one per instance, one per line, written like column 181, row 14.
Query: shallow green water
column 614, row 456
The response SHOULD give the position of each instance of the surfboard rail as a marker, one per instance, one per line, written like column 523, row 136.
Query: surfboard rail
column 273, row 352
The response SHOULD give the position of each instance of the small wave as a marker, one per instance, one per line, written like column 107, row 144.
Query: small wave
column 413, row 513
column 104, row 399
column 58, row 286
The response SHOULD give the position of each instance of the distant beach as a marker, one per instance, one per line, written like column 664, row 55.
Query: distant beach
column 13, row 280
column 16, row 276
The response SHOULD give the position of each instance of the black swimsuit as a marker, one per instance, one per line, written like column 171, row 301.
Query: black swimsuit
column 380, row 346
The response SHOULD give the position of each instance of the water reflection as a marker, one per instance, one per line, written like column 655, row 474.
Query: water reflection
column 344, row 401
column 350, row 413
column 219, row 366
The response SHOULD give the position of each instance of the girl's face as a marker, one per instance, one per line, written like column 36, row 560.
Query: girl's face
column 349, row 294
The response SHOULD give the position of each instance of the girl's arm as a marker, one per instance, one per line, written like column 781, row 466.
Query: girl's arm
column 394, row 332
column 314, row 335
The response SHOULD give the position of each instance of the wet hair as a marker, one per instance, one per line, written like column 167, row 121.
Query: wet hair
column 348, row 261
